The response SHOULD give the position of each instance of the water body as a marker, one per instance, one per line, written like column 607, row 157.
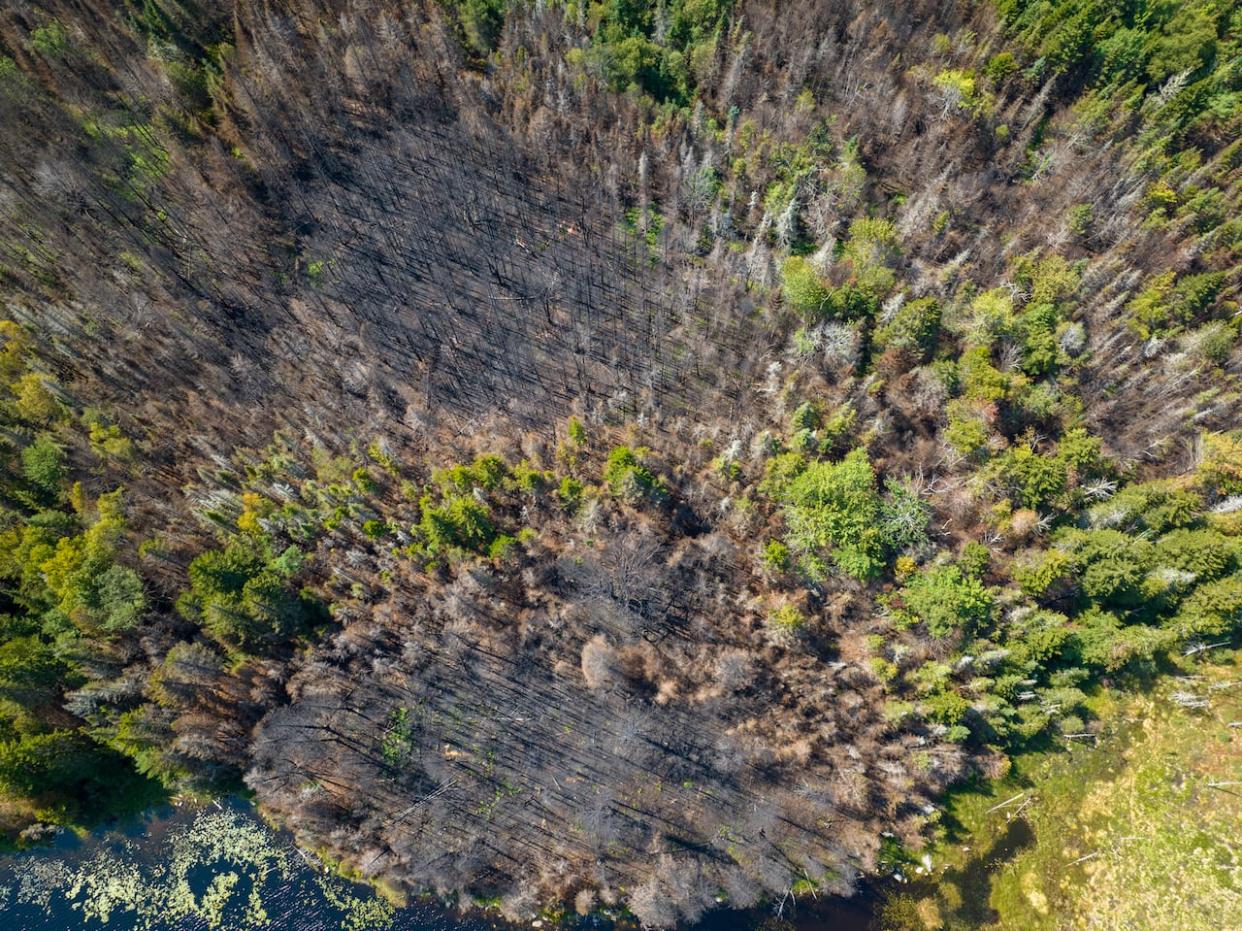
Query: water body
column 220, row 868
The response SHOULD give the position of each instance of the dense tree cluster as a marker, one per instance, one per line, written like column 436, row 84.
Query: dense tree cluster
column 68, row 603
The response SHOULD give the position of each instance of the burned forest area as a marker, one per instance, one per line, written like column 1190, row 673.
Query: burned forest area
column 606, row 457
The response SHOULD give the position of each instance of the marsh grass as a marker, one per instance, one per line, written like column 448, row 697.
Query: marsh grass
column 1134, row 828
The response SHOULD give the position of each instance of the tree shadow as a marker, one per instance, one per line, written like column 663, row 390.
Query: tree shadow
column 974, row 878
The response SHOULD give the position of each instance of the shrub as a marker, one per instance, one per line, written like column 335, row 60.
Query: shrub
column 1032, row 480
column 1155, row 506
column 873, row 244
column 884, row 670
column 1207, row 554
column 626, row 476
column 1079, row 219
column 141, row 735
column 982, row 381
column 83, row 582
column 33, row 401
column 118, row 600
column 398, row 740
column 1094, row 637
column 946, row 600
column 1049, row 279
column 1044, row 574
column 803, row 288
column 815, row 300
column 932, row 677
column 992, row 315
column 31, row 672
column 1082, row 452
column 904, row 567
column 967, row 432
column 459, row 523
column 1103, row 642
column 255, row 508
column 49, row 38
column 804, row 441
column 914, row 327
column 1169, row 304
column 529, row 480
column 836, row 429
column 786, row 619
column 1220, row 469
column 501, row 547
column 1212, row 342
column 853, row 301
column 947, row 708
column 570, row 493
column 1111, row 565
column 805, row 417
column 1211, row 610
column 780, row 471
column 1038, row 329
column 488, row 472
column 1038, row 638
column 958, row 89
column 481, row 22
column 975, row 559
column 67, row 769
column 43, row 465
column 242, row 595
column 363, row 481
column 904, row 516
column 896, row 710
column 776, row 556
column 1000, row 66
column 106, row 439
column 836, row 506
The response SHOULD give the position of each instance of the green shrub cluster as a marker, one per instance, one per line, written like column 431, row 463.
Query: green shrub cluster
column 865, row 263
column 914, row 327
column 835, row 509
column 947, row 600
column 243, row 595
column 1115, row 46
column 809, row 294
column 466, row 510
column 1042, row 481
column 1170, row 304
column 626, row 475
column 654, row 50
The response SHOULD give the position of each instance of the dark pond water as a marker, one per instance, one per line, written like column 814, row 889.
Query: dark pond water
column 219, row 868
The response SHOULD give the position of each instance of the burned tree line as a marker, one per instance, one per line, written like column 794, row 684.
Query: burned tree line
column 504, row 763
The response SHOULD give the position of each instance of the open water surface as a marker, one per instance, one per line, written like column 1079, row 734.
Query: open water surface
column 220, row 868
